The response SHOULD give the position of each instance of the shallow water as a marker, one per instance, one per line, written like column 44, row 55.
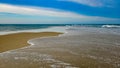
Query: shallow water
column 79, row 47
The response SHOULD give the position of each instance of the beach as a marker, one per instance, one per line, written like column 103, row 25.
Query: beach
column 78, row 47
column 18, row 40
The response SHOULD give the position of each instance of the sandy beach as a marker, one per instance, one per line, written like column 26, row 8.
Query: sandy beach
column 18, row 40
column 78, row 48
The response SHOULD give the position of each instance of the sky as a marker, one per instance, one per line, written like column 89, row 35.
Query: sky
column 59, row 11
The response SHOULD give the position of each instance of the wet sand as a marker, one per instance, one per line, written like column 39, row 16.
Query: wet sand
column 18, row 40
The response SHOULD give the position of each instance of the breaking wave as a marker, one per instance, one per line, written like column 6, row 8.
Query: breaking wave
column 111, row 26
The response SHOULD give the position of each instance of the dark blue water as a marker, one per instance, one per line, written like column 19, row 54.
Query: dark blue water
column 17, row 27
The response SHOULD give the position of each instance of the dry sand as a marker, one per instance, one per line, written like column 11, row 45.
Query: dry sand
column 18, row 40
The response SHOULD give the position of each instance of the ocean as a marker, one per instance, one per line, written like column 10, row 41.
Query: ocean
column 16, row 28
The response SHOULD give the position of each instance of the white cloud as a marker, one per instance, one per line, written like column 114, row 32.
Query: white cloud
column 93, row 3
column 34, row 11
column 62, row 16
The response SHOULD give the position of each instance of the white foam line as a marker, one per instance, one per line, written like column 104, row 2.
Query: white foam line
column 30, row 43
column 45, row 37
column 41, row 38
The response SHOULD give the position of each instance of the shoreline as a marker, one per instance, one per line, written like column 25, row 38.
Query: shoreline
column 50, row 29
column 50, row 50
column 19, row 40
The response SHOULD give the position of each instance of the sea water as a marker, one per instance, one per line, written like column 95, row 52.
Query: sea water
column 102, row 28
column 17, row 28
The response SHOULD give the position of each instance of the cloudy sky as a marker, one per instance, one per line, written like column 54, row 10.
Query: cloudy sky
column 59, row 11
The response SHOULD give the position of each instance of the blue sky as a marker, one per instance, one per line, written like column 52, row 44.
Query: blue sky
column 59, row 11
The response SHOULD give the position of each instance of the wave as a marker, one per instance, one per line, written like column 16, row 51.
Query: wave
column 111, row 26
